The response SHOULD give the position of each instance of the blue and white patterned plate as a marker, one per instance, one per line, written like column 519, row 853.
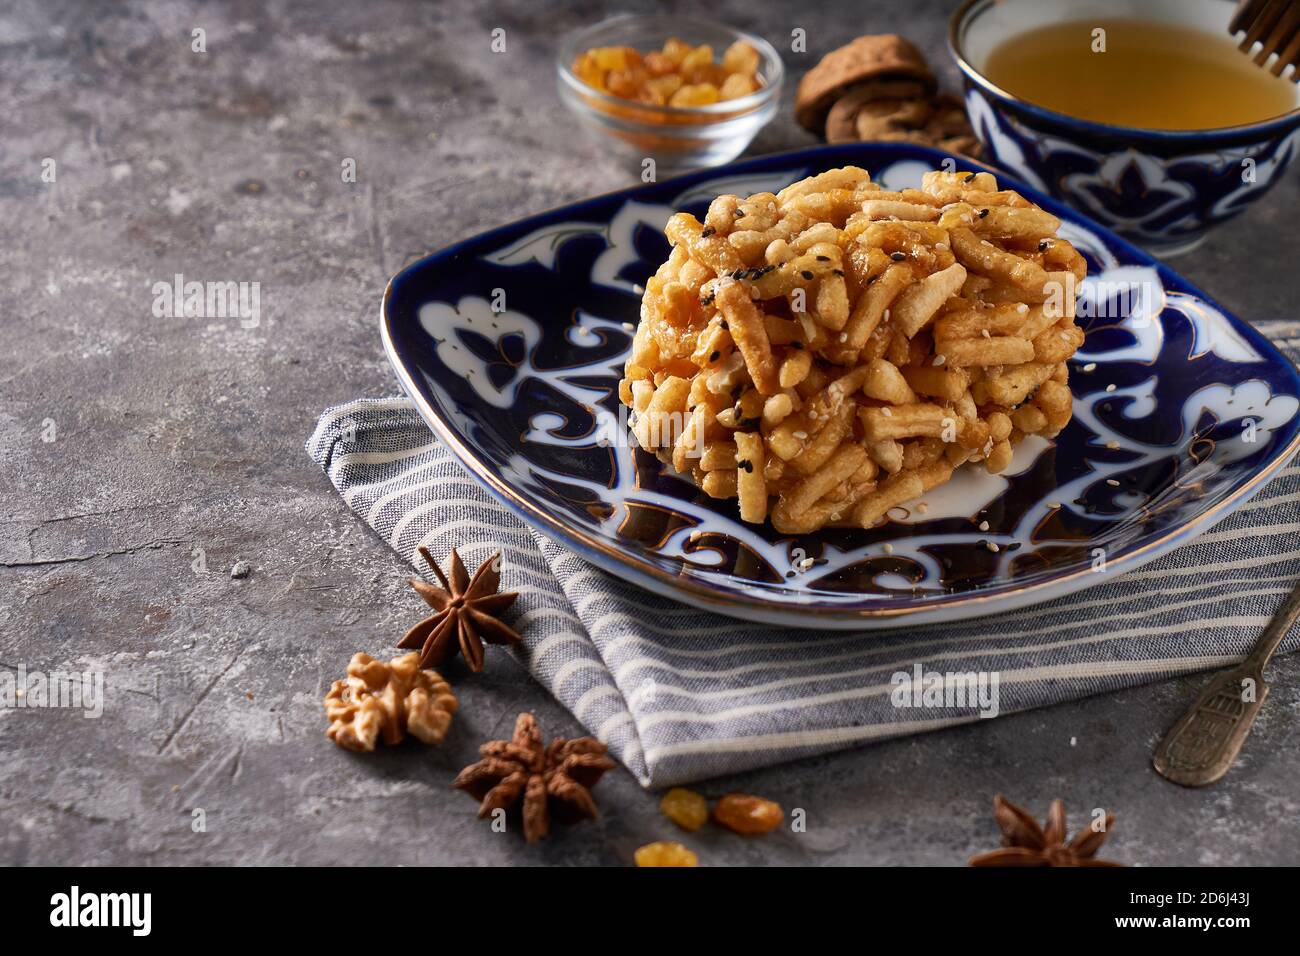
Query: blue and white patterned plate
column 512, row 344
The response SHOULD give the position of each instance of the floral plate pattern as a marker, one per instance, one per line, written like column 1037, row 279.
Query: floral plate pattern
column 512, row 343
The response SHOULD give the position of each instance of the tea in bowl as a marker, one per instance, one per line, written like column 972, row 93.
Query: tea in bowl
column 1144, row 116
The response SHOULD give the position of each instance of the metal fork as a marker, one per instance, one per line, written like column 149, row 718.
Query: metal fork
column 1201, row 747
column 1275, row 24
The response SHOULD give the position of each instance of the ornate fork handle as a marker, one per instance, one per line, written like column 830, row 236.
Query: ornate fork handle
column 1200, row 748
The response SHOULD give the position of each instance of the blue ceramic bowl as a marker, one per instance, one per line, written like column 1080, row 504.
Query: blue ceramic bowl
column 512, row 343
column 1160, row 188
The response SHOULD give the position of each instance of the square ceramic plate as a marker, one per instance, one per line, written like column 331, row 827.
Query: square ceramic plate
column 512, row 344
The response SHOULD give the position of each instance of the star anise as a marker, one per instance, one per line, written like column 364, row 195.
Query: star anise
column 1025, row 843
column 467, row 613
column 546, row 782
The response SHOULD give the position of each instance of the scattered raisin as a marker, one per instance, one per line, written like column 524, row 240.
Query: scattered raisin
column 748, row 815
column 686, row 808
column 666, row 853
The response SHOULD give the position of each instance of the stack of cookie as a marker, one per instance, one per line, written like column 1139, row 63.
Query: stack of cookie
column 880, row 88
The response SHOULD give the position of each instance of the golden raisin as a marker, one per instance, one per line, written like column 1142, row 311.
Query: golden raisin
column 679, row 75
column 740, row 57
column 666, row 853
column 746, row 814
column 686, row 808
column 700, row 94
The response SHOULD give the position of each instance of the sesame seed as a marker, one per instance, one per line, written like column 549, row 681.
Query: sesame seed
column 806, row 274
column 986, row 333
column 898, row 256
column 983, row 213
column 939, row 359
column 888, row 548
column 1022, row 308
column 1110, row 387
column 800, row 435
column 844, row 336
column 992, row 546
column 885, row 317
column 1112, row 482
column 984, row 526
column 629, row 326
column 1113, row 445
column 707, row 231
column 885, row 410
column 823, row 258
column 805, row 564
column 922, row 507
column 1090, row 367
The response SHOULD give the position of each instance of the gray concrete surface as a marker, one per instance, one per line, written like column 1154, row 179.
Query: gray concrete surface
column 175, row 436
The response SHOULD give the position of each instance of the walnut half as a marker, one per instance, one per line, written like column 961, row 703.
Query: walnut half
column 385, row 701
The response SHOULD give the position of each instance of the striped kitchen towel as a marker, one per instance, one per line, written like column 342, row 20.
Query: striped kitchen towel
column 681, row 694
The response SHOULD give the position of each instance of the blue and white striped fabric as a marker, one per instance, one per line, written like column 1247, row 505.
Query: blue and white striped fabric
column 680, row 694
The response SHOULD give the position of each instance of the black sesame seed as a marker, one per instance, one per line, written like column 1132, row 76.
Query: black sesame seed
column 745, row 464
column 806, row 274
column 707, row 231
column 838, row 272
column 714, row 356
column 898, row 256
column 970, row 178
column 823, row 258
column 707, row 300
column 750, row 423
column 796, row 345
column 872, row 279
column 739, row 274
column 740, row 213
column 724, row 324
column 983, row 213
column 1043, row 244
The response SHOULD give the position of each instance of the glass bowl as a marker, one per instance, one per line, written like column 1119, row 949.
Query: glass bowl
column 677, row 138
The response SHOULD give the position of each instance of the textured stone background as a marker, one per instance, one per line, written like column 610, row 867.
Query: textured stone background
column 174, row 435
